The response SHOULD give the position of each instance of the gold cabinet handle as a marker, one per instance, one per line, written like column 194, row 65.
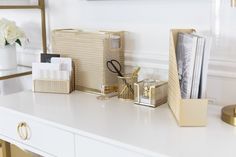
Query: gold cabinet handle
column 22, row 130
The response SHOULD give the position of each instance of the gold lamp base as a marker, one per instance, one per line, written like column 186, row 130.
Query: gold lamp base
column 228, row 114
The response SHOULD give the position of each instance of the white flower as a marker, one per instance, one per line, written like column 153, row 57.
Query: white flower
column 4, row 23
column 2, row 40
column 10, row 33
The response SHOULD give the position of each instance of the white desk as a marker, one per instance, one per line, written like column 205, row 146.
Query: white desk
column 4, row 76
column 79, row 125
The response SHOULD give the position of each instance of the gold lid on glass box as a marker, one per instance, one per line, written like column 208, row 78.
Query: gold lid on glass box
column 228, row 114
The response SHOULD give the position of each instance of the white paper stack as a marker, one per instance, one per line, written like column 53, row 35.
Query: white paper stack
column 65, row 63
column 58, row 69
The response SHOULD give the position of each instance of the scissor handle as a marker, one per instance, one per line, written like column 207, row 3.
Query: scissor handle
column 115, row 69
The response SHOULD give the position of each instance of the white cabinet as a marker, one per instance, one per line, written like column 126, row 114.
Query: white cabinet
column 54, row 141
column 78, row 125
column 51, row 140
column 86, row 147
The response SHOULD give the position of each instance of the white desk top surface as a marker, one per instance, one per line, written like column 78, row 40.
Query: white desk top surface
column 124, row 124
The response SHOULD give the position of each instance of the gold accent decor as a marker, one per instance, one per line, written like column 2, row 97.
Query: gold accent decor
column 133, row 76
column 52, row 86
column 41, row 6
column 90, row 50
column 106, row 89
column 22, row 130
column 188, row 112
column 55, row 86
column 18, row 72
column 126, row 86
column 228, row 114
column 153, row 93
column 18, row 152
column 87, row 90
column 6, row 151
column 16, row 75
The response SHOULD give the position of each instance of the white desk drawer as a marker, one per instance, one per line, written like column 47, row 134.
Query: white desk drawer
column 86, row 147
column 41, row 136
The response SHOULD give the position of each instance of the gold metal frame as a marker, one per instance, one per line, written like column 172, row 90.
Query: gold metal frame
column 15, row 74
column 41, row 6
column 6, row 151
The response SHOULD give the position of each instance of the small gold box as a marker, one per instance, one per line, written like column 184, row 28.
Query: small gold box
column 151, row 93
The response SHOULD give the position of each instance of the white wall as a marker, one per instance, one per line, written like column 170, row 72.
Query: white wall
column 147, row 23
column 222, row 74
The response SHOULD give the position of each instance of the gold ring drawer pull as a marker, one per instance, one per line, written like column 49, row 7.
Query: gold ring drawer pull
column 22, row 130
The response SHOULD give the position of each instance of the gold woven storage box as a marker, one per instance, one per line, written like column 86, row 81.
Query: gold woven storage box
column 90, row 51
column 52, row 86
column 55, row 86
column 188, row 112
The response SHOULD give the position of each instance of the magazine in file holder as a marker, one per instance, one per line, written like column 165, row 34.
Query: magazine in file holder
column 188, row 112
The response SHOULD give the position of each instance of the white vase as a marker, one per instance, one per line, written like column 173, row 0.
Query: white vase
column 8, row 57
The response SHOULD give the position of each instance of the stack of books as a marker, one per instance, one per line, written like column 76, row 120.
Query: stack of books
column 192, row 53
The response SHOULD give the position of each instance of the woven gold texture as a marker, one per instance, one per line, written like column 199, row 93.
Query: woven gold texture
column 89, row 51
column 188, row 112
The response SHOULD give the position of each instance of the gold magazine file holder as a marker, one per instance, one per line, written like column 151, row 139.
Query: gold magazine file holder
column 188, row 112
